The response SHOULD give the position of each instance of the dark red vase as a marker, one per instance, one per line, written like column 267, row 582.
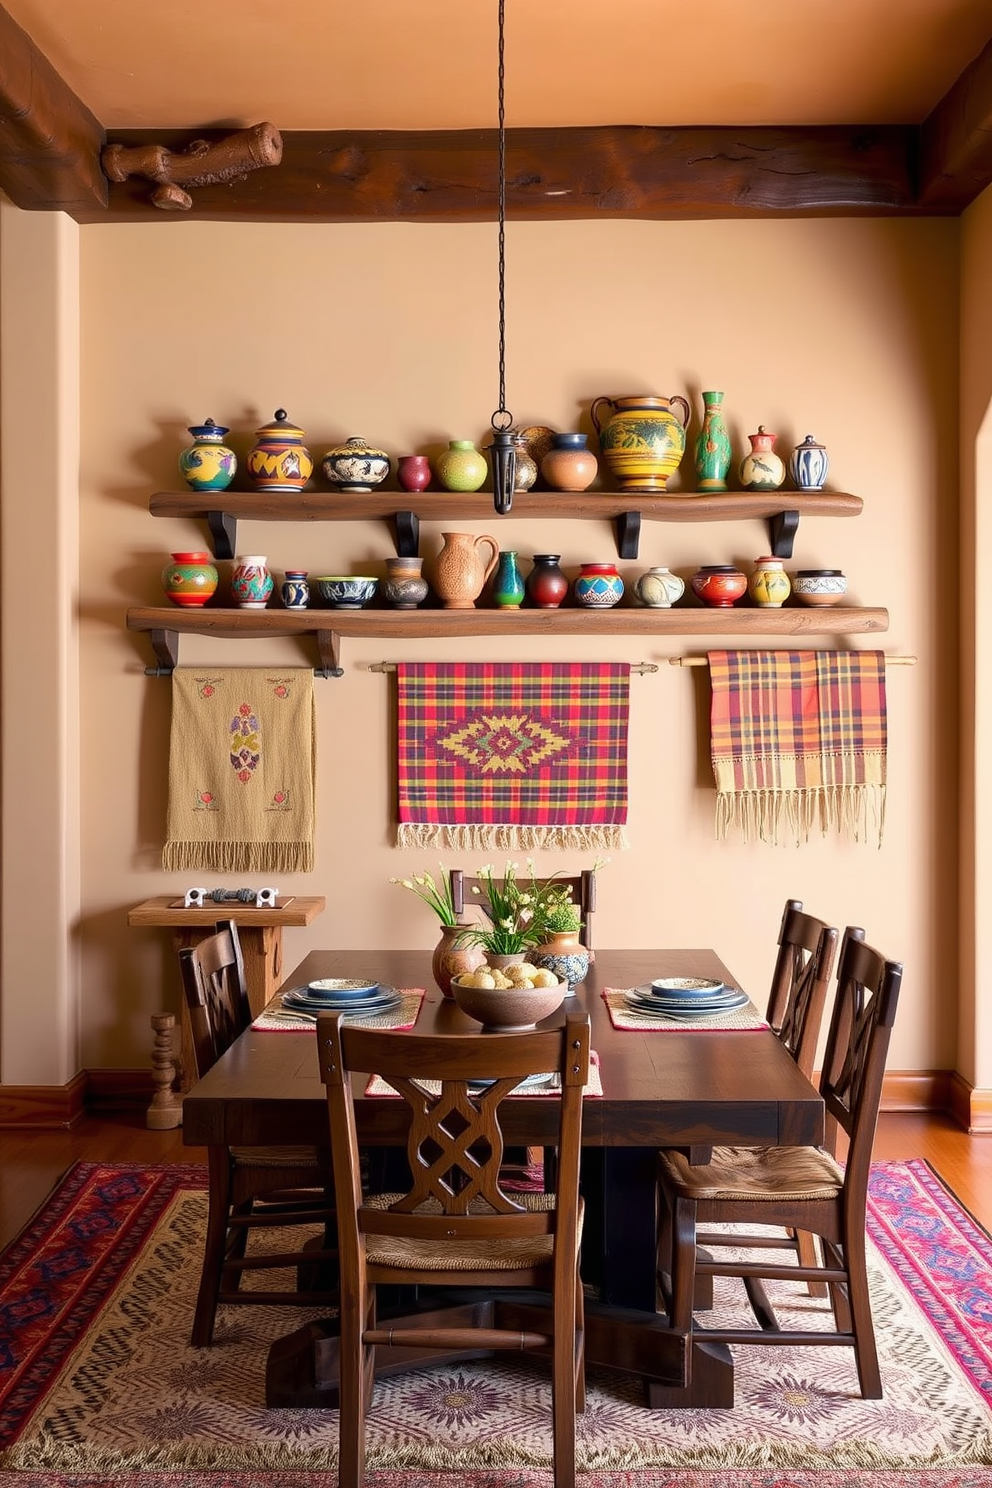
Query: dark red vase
column 546, row 584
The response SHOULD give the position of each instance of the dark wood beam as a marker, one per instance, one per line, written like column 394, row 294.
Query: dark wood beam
column 621, row 171
column 956, row 141
column 50, row 143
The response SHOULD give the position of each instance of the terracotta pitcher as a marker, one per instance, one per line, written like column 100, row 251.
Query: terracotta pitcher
column 460, row 573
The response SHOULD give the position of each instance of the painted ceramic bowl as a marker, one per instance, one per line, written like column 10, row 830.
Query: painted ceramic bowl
column 819, row 586
column 508, row 1009
column 345, row 591
column 719, row 585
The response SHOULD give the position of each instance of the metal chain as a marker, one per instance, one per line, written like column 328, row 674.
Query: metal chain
column 502, row 418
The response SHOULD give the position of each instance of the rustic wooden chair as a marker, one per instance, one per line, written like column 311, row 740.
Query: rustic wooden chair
column 250, row 1187
column 582, row 885
column 456, row 1226
column 800, row 1188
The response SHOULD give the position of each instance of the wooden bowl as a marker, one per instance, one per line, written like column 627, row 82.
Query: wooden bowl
column 508, row 1009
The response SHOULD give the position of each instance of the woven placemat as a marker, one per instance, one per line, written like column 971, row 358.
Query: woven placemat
column 278, row 1019
column 622, row 1016
column 593, row 1086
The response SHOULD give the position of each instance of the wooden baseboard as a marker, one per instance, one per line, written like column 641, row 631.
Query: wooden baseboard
column 917, row 1090
column 970, row 1107
column 44, row 1107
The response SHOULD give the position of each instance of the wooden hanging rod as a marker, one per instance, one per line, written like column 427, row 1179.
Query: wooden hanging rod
column 699, row 661
column 636, row 666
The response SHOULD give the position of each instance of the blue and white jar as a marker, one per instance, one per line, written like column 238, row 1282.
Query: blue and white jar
column 808, row 465
column 295, row 590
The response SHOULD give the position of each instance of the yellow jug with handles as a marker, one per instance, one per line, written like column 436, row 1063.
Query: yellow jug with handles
column 642, row 439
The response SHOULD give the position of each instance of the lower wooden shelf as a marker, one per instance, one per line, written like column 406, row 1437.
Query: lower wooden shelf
column 328, row 626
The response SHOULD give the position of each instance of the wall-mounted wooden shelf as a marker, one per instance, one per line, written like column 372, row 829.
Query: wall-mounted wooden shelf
column 328, row 626
column 781, row 509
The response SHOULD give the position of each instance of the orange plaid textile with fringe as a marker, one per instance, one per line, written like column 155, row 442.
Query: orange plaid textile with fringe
column 798, row 740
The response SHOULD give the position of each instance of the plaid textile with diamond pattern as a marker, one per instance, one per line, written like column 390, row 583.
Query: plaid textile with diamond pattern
column 798, row 739
column 512, row 755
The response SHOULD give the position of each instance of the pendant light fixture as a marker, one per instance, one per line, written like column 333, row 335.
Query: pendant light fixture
column 504, row 457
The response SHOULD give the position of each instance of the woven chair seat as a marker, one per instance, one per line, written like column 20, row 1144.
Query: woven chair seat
column 465, row 1255
column 279, row 1157
column 771, row 1174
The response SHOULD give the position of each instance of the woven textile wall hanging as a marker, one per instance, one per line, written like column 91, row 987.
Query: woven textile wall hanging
column 798, row 740
column 512, row 755
column 241, row 771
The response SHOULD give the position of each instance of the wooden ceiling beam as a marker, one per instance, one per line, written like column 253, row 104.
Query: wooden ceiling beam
column 956, row 141
column 612, row 171
column 50, row 143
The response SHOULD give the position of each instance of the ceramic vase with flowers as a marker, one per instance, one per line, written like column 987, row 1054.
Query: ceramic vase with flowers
column 561, row 949
column 452, row 956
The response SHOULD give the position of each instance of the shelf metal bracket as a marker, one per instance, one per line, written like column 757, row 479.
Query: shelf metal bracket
column 329, row 646
column 407, row 534
column 782, row 529
column 628, row 525
column 165, row 644
column 224, row 531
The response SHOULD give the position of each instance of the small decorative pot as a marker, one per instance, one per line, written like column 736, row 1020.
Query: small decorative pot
column 569, row 464
column 819, row 586
column 451, row 959
column 769, row 584
column 461, row 467
column 413, row 472
column 526, row 467
column 295, row 590
column 808, row 465
column 355, row 465
column 405, row 586
column 251, row 583
column 190, row 579
column 508, row 584
column 719, row 585
column 546, row 584
column 598, row 586
column 280, row 461
column 762, row 470
column 208, row 464
column 565, row 955
column 659, row 588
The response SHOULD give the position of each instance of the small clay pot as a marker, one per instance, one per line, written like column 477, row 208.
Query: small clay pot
column 819, row 587
column 719, row 585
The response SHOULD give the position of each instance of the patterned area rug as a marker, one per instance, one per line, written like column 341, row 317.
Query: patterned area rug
column 98, row 1384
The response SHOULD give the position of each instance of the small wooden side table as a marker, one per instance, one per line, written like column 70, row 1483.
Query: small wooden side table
column 259, row 931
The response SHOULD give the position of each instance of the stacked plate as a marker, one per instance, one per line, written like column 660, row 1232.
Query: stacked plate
column 529, row 1082
column 685, row 999
column 350, row 995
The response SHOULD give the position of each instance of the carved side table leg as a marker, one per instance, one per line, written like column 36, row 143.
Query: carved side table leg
column 166, row 1109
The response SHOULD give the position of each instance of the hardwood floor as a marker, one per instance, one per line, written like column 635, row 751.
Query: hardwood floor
column 32, row 1162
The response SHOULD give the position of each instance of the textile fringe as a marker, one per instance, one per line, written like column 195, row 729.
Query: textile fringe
column 238, row 857
column 478, row 838
column 771, row 815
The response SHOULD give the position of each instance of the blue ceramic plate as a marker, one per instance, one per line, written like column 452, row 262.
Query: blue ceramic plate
column 529, row 1082
column 381, row 1001
column 686, row 987
column 641, row 1001
column 339, row 987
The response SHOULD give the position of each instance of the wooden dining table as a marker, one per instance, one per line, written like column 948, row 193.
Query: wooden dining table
column 685, row 1087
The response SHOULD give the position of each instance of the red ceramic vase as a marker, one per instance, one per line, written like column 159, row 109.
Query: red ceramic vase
column 719, row 585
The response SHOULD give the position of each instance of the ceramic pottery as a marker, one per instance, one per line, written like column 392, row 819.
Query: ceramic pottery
column 508, row 583
column 565, row 955
column 719, row 585
column 546, row 584
column 569, row 464
column 405, row 586
column 251, row 583
column 808, row 465
column 280, row 461
column 762, row 470
column 295, row 590
column 508, row 1009
column 208, row 465
column 769, row 585
column 526, row 466
column 819, row 586
column 346, row 591
column 355, row 465
column 460, row 572
column 413, row 472
column 461, row 467
column 659, row 588
column 598, row 586
column 713, row 452
column 642, row 440
column 190, row 579
column 451, row 959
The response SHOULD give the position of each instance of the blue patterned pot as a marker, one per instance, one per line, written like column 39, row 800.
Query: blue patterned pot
column 563, row 954
column 598, row 586
column 808, row 465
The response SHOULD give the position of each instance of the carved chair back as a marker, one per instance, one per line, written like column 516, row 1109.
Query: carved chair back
column 213, row 977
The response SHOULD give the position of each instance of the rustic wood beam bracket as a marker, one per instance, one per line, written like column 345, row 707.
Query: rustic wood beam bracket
column 407, row 525
column 165, row 644
column 224, row 532
column 782, row 528
column 628, row 525
column 203, row 163
column 329, row 647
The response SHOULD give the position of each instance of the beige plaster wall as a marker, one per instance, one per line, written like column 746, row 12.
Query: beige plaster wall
column 844, row 329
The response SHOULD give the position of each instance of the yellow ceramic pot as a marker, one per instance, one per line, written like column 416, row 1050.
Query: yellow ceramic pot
column 642, row 440
column 769, row 585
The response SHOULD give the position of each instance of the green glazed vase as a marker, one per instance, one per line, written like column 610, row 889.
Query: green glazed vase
column 713, row 452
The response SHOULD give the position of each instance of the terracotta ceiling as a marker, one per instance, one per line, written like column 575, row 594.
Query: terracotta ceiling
column 864, row 105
